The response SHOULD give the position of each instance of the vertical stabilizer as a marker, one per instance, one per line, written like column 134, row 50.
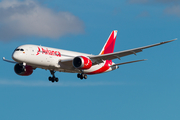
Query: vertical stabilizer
column 110, row 43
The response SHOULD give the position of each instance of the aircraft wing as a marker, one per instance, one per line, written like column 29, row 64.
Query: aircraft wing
column 96, row 59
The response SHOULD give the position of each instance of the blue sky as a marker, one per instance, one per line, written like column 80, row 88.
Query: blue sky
column 146, row 90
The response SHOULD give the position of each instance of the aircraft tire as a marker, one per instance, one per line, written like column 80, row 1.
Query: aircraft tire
column 56, row 79
column 78, row 75
column 81, row 77
column 50, row 78
column 85, row 76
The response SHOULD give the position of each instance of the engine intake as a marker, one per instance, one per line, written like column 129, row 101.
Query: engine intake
column 82, row 62
column 23, row 71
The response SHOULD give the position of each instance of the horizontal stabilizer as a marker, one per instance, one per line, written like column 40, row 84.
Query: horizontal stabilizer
column 129, row 62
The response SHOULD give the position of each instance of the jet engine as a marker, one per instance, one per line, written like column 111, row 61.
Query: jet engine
column 82, row 62
column 23, row 70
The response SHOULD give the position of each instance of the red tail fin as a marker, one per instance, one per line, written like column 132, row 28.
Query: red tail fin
column 109, row 46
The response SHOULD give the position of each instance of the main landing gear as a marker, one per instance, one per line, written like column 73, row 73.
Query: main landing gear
column 53, row 78
column 81, row 76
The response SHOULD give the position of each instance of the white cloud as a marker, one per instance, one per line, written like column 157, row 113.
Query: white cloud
column 153, row 1
column 173, row 10
column 172, row 6
column 167, row 1
column 28, row 18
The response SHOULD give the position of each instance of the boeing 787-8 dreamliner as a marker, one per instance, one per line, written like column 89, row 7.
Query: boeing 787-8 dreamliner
column 29, row 57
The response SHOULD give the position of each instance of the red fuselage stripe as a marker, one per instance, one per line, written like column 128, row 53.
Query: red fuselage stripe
column 102, row 69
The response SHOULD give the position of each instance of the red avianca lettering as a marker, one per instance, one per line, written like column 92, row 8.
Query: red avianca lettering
column 46, row 51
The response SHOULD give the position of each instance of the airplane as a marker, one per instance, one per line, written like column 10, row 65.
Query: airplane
column 29, row 57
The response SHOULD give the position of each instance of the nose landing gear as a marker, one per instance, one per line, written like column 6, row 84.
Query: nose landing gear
column 53, row 78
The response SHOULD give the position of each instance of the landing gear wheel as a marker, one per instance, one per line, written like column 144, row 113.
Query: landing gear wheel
column 78, row 75
column 50, row 78
column 56, row 79
column 82, row 76
column 53, row 78
column 85, row 76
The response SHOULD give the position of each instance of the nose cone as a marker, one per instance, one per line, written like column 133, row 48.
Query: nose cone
column 17, row 56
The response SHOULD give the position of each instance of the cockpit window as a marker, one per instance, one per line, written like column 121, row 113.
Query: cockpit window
column 19, row 49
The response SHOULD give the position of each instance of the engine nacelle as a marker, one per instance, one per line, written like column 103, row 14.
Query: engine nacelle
column 23, row 71
column 82, row 62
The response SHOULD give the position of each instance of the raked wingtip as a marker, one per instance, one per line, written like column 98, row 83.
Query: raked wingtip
column 174, row 39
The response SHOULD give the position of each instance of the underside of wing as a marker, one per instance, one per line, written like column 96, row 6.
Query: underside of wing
column 67, row 64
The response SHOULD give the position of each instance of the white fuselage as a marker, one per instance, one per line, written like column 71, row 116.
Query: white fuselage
column 50, row 59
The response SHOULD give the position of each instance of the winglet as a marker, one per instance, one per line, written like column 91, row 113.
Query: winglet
column 168, row 41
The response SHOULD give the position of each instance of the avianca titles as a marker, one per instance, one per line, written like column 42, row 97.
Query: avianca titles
column 29, row 57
